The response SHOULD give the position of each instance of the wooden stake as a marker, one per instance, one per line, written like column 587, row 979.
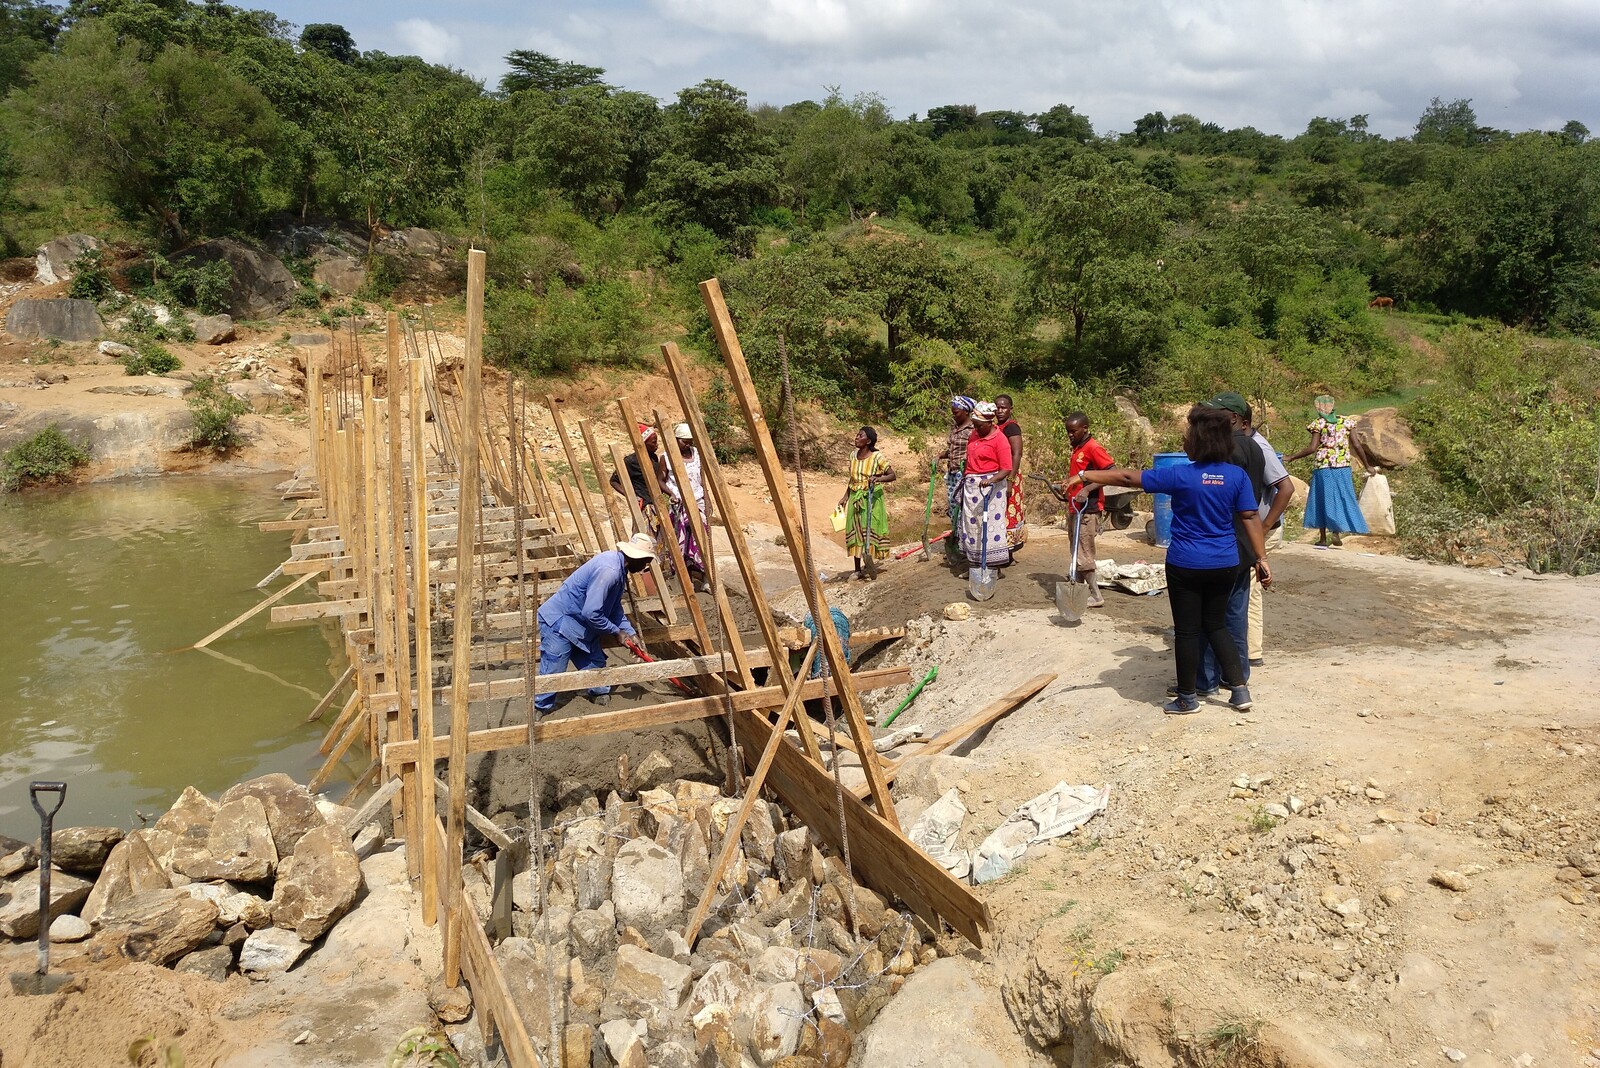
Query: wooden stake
column 400, row 595
column 327, row 698
column 767, row 455
column 257, row 610
column 426, row 819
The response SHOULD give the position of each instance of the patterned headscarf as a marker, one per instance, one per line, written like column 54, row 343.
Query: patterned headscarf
column 984, row 411
column 965, row 404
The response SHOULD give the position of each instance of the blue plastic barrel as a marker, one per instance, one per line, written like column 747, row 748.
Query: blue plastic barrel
column 1164, row 501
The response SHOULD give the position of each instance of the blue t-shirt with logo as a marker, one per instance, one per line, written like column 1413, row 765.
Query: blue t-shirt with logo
column 1205, row 498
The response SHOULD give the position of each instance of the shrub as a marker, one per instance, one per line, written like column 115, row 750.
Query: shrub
column 91, row 278
column 723, row 423
column 48, row 456
column 216, row 416
column 150, row 359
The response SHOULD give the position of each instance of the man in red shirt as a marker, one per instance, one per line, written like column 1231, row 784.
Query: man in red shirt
column 1087, row 454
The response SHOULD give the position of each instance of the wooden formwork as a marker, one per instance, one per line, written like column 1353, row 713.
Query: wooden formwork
column 415, row 500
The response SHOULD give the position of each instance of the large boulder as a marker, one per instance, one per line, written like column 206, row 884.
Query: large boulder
column 944, row 1016
column 64, row 319
column 341, row 272
column 83, row 850
column 258, row 394
column 646, row 985
column 238, row 846
column 291, row 810
column 1385, row 437
column 262, row 286
column 647, row 887
column 214, row 329
column 775, row 1014
column 318, row 884
column 19, row 901
column 130, row 869
column 156, row 926
column 54, row 259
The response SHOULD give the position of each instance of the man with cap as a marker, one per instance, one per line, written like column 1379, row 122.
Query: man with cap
column 1279, row 491
column 1246, row 454
column 586, row 610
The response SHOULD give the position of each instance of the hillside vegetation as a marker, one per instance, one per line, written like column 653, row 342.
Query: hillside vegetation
column 886, row 262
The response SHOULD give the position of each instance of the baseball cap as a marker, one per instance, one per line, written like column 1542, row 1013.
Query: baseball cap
column 1229, row 402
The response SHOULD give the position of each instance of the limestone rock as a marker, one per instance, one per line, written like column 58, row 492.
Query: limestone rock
column 724, row 983
column 956, row 611
column 930, row 777
column 233, row 906
column 212, row 962
column 1385, row 437
column 131, row 868
column 647, row 886
column 318, row 884
column 450, row 1004
column 340, row 272
column 214, row 329
column 271, row 951
column 594, row 934
column 115, row 349
column 19, row 914
column 70, row 928
column 64, row 319
column 760, row 834
column 189, row 818
column 624, row 1041
column 291, row 810
column 652, row 771
column 238, row 845
column 83, row 850
column 930, row 1021
column 53, row 260
column 1450, row 880
column 775, row 1022
column 155, row 926
column 17, row 860
column 797, row 857
column 647, row 985
column 261, row 286
column 260, row 394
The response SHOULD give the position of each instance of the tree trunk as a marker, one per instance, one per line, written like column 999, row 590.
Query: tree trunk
column 894, row 340
column 1078, row 318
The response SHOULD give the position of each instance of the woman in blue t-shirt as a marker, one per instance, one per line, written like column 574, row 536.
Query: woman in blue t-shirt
column 1207, row 492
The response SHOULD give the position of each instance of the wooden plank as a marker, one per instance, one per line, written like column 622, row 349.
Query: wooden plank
column 369, row 811
column 752, row 791
column 669, row 604
column 426, row 819
column 492, row 739
column 601, row 542
column 294, row 613
column 975, row 722
column 881, row 857
column 466, row 537
column 327, row 698
column 744, row 389
column 278, row 526
column 268, row 603
column 484, row 824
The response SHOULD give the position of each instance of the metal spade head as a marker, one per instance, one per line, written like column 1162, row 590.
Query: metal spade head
column 981, row 582
column 43, row 983
column 1072, row 599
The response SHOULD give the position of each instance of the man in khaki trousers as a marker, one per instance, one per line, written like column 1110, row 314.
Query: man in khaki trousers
column 1277, row 493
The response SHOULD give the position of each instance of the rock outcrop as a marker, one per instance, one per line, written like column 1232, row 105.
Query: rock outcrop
column 54, row 259
column 63, row 319
column 261, row 286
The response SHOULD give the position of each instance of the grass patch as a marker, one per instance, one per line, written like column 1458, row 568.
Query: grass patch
column 216, row 416
column 1260, row 820
column 1232, row 1040
column 47, row 457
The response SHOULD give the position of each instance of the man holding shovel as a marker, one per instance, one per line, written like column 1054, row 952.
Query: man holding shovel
column 587, row 609
column 1089, row 504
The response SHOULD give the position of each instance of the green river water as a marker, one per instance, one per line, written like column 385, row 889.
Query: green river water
column 100, row 583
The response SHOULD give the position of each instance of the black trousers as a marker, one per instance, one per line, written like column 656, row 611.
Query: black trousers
column 1199, row 599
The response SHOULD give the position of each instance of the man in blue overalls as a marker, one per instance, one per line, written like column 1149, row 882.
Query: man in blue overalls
column 586, row 609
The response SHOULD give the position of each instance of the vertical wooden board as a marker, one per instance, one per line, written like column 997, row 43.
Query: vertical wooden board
column 767, row 455
column 424, row 636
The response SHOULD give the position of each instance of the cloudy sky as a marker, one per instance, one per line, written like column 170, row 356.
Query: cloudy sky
column 1272, row 64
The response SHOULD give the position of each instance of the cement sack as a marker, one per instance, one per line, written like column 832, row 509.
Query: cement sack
column 1060, row 810
column 1377, row 506
column 938, row 830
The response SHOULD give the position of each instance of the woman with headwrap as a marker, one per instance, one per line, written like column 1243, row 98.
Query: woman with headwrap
column 1331, row 503
column 1016, row 520
column 983, row 492
column 681, row 499
column 955, row 458
column 866, row 525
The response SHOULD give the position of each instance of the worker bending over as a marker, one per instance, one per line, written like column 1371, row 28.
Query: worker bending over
column 586, row 609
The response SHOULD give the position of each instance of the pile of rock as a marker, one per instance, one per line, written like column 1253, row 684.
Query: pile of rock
column 794, row 957
column 246, row 882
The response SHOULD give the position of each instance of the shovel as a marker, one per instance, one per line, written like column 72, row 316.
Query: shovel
column 41, row 981
column 1072, row 596
column 981, row 580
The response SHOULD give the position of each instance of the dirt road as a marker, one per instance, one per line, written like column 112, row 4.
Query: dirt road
column 1425, row 720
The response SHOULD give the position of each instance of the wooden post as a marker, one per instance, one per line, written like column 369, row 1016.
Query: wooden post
column 601, row 544
column 425, row 810
column 401, row 594
column 469, row 497
column 767, row 455
column 669, row 603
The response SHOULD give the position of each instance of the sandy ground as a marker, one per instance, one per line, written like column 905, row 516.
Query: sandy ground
column 1440, row 715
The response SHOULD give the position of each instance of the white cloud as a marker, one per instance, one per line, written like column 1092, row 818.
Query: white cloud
column 428, row 39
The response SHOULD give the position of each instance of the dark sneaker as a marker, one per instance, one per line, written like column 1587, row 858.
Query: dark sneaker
column 1239, row 699
column 1172, row 691
column 1181, row 705
column 1257, row 661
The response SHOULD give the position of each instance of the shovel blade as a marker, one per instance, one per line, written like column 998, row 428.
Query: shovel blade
column 981, row 582
column 1072, row 599
column 41, row 984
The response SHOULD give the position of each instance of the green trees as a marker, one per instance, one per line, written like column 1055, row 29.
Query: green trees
column 1091, row 261
column 1453, row 123
column 331, row 40
column 719, row 166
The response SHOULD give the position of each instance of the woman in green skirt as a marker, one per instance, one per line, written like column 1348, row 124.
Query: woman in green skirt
column 866, row 526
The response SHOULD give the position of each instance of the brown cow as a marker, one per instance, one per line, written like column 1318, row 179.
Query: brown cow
column 1386, row 303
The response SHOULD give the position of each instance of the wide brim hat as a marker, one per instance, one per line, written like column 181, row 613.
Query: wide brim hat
column 638, row 547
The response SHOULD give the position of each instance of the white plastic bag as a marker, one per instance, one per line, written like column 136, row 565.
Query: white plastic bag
column 1377, row 506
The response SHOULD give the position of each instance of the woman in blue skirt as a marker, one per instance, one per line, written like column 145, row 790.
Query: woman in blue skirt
column 1331, row 505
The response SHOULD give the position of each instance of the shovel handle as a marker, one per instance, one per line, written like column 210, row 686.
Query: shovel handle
column 43, row 787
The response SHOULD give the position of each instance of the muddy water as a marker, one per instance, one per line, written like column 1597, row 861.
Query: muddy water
column 100, row 583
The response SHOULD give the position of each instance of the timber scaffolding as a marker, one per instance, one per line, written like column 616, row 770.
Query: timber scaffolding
column 416, row 508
